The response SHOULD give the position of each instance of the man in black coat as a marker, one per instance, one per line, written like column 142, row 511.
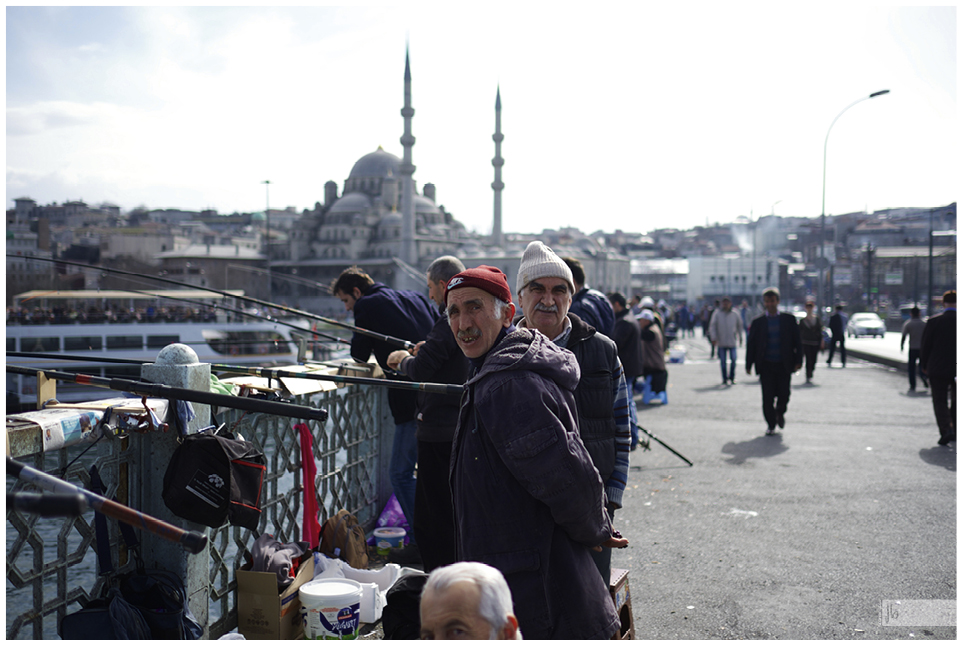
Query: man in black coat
column 938, row 360
column 439, row 360
column 628, row 339
column 837, row 325
column 775, row 348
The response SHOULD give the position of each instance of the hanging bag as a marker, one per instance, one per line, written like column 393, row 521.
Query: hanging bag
column 143, row 604
column 212, row 479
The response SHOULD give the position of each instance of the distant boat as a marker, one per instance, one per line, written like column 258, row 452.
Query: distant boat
column 85, row 323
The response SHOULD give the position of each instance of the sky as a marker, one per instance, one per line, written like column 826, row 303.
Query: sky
column 630, row 116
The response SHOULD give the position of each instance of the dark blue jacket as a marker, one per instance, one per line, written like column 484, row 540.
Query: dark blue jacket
column 595, row 309
column 406, row 315
column 527, row 497
column 790, row 343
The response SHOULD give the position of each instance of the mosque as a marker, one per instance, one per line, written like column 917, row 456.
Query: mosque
column 381, row 222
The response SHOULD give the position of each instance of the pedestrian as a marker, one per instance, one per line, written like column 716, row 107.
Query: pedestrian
column 628, row 339
column 653, row 352
column 407, row 315
column 437, row 359
column 774, row 347
column 589, row 304
column 467, row 601
column 938, row 359
column 544, row 288
column 913, row 329
column 725, row 332
column 837, row 325
column 527, row 498
column 811, row 333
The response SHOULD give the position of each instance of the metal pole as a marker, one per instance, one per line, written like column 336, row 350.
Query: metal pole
column 822, row 218
column 267, row 234
column 929, row 291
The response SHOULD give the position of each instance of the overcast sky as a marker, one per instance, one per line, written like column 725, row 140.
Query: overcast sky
column 627, row 116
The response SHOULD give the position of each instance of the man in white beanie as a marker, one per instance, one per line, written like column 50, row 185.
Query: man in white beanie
column 545, row 288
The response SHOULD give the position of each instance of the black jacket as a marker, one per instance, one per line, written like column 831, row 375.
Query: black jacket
column 439, row 361
column 938, row 347
column 628, row 339
column 790, row 343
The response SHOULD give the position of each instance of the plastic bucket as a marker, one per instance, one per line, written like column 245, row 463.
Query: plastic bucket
column 386, row 538
column 677, row 355
column 331, row 608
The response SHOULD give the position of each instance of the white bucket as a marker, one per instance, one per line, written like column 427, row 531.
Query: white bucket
column 677, row 355
column 330, row 608
column 386, row 538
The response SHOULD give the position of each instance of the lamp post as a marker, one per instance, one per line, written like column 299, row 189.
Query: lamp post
column 267, row 231
column 823, row 262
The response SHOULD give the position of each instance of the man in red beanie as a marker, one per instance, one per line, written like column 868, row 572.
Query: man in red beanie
column 527, row 497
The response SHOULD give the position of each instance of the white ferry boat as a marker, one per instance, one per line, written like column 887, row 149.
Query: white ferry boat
column 135, row 327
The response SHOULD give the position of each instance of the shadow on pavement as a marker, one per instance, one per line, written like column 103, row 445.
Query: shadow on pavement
column 761, row 447
column 940, row 456
column 919, row 393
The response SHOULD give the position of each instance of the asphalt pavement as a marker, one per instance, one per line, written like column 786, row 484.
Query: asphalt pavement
column 811, row 534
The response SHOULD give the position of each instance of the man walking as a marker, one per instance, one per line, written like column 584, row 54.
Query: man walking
column 545, row 288
column 407, row 315
column 437, row 359
column 527, row 497
column 938, row 359
column 913, row 329
column 725, row 332
column 837, row 325
column 774, row 347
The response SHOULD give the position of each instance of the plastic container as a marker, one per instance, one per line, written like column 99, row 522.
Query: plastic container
column 331, row 608
column 677, row 355
column 388, row 538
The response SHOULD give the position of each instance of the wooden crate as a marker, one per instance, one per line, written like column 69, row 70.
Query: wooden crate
column 622, row 597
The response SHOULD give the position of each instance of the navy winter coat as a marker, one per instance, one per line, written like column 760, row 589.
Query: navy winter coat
column 527, row 497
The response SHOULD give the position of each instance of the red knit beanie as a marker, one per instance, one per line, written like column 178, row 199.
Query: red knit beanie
column 486, row 278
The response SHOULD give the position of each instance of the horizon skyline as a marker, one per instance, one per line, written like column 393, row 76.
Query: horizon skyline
column 608, row 128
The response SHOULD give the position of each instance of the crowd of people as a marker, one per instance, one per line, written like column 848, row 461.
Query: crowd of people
column 520, row 479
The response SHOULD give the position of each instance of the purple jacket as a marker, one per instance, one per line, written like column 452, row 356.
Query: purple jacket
column 527, row 497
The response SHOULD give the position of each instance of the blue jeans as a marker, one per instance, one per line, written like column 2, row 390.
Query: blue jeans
column 404, row 456
column 731, row 353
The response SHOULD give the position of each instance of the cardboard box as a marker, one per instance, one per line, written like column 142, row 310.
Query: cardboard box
column 265, row 615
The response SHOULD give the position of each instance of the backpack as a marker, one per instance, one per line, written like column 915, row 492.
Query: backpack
column 343, row 537
column 401, row 618
column 212, row 479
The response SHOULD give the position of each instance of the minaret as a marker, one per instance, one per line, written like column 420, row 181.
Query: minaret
column 408, row 251
column 497, row 162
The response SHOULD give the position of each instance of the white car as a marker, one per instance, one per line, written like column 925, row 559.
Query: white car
column 865, row 324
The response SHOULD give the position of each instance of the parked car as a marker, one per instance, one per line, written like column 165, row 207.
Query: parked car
column 865, row 324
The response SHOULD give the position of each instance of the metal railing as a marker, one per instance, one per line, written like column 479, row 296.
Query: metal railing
column 51, row 563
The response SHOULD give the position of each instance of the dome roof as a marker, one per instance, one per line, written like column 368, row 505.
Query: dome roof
column 424, row 204
column 376, row 164
column 351, row 202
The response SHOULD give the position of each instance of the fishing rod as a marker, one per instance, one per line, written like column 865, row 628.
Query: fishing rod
column 172, row 392
column 192, row 541
column 646, row 432
column 47, row 505
column 264, row 317
column 268, row 373
column 401, row 343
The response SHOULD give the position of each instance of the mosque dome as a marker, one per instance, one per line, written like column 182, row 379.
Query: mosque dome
column 424, row 204
column 377, row 164
column 351, row 202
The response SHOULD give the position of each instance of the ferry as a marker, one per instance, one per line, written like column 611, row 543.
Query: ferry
column 135, row 326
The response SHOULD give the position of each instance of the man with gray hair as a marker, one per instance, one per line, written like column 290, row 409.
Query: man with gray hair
column 545, row 288
column 437, row 359
column 467, row 601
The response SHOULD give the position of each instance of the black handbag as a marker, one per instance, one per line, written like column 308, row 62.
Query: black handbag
column 142, row 604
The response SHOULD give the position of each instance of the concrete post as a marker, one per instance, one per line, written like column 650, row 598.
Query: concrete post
column 177, row 365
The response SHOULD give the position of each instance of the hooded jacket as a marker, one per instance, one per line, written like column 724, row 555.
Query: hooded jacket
column 527, row 497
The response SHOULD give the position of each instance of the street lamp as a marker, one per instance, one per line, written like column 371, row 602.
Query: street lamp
column 267, row 231
column 823, row 262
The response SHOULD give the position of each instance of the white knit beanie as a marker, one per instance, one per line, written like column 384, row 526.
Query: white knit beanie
column 540, row 261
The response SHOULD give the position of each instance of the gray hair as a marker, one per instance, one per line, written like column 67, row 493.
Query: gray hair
column 495, row 602
column 444, row 268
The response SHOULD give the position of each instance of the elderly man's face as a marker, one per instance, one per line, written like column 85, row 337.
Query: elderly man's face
column 452, row 615
column 545, row 302
column 471, row 316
